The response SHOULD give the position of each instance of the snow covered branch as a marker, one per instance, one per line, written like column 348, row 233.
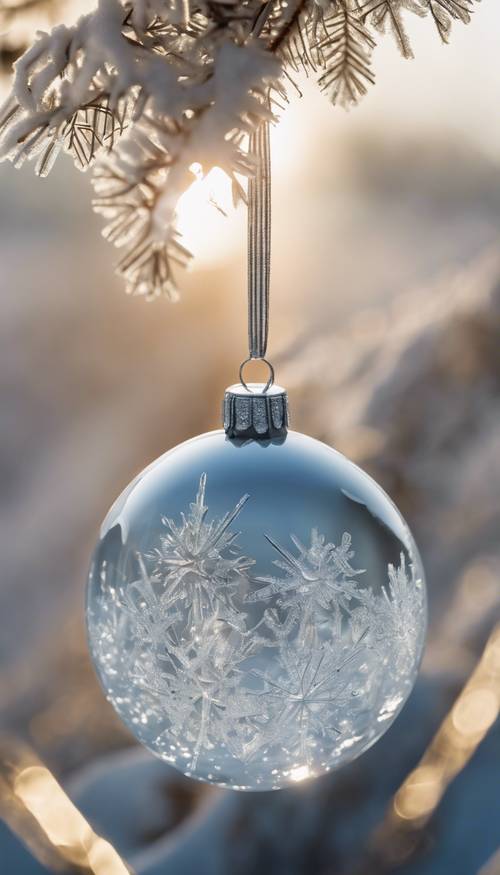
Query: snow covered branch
column 155, row 86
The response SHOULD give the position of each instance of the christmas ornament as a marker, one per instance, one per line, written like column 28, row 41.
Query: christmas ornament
column 256, row 603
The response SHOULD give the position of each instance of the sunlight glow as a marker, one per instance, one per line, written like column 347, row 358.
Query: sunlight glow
column 472, row 715
column 212, row 229
column 206, row 218
column 38, row 810
column 397, row 838
column 64, row 827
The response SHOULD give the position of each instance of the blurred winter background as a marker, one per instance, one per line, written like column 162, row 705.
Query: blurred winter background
column 386, row 330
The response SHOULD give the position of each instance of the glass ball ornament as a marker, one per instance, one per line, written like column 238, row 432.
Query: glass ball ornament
column 256, row 603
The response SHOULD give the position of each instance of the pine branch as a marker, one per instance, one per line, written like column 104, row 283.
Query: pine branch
column 444, row 12
column 386, row 15
column 152, row 87
column 148, row 262
column 346, row 54
column 139, row 187
column 296, row 46
column 91, row 129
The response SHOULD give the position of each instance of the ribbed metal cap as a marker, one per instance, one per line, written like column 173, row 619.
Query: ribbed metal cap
column 252, row 411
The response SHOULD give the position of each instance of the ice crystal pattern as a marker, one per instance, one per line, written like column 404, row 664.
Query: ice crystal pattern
column 289, row 667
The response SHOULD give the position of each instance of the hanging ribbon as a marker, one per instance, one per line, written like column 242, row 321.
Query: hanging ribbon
column 259, row 243
column 259, row 249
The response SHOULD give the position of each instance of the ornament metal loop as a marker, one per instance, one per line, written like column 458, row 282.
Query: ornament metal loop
column 271, row 373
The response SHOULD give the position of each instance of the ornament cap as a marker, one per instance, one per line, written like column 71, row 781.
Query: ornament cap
column 255, row 411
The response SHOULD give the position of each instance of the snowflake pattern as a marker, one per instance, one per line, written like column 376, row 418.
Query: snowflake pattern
column 310, row 690
column 297, row 678
column 318, row 584
column 199, row 562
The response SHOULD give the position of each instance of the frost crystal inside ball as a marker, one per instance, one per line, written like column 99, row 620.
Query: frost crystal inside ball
column 256, row 610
